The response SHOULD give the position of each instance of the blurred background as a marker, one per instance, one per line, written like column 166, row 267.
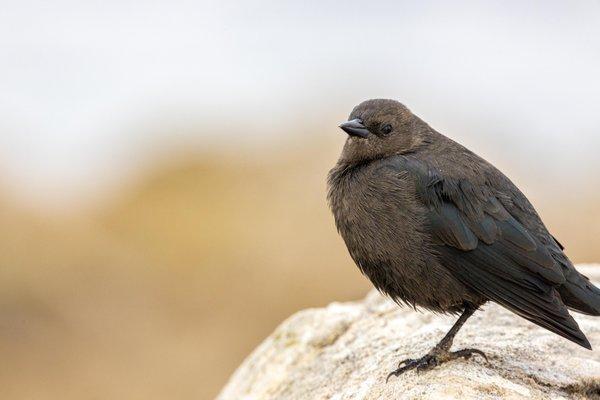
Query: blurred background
column 163, row 165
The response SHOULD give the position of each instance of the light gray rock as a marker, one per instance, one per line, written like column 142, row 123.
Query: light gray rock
column 345, row 351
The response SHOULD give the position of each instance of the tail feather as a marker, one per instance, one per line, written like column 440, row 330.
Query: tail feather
column 579, row 294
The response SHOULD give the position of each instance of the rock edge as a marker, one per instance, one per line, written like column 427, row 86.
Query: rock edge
column 345, row 351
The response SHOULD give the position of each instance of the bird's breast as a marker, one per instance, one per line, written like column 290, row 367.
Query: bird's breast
column 378, row 216
column 383, row 225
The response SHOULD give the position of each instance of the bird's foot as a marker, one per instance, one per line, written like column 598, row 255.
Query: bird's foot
column 432, row 359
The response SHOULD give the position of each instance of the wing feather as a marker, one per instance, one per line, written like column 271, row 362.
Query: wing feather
column 485, row 247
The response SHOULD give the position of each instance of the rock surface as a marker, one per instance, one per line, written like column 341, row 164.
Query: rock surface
column 345, row 351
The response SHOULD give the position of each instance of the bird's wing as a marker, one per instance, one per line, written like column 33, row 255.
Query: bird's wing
column 489, row 251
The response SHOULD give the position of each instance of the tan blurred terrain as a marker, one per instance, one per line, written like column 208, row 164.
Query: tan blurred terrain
column 161, row 291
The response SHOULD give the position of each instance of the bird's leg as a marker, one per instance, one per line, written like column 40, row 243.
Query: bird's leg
column 441, row 352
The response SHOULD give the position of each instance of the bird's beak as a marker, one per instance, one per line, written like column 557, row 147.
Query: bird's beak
column 355, row 127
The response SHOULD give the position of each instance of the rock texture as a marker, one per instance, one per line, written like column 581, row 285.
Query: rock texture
column 345, row 351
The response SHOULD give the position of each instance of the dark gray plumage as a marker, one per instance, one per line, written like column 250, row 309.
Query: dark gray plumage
column 433, row 225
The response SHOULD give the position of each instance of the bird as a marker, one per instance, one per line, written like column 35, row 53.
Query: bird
column 435, row 226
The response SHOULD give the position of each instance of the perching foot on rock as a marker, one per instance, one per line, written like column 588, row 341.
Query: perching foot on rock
column 433, row 359
column 441, row 352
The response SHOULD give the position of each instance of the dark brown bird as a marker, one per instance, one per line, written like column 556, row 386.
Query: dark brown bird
column 433, row 225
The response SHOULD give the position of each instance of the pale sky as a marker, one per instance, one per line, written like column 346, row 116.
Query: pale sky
column 81, row 80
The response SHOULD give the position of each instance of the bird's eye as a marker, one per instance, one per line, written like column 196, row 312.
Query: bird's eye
column 386, row 129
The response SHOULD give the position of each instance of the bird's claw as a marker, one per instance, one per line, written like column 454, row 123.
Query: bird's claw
column 407, row 361
column 468, row 353
column 433, row 359
column 421, row 364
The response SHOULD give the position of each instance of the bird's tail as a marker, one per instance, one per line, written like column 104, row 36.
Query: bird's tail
column 579, row 294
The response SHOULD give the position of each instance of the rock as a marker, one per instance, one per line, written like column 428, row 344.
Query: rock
column 346, row 350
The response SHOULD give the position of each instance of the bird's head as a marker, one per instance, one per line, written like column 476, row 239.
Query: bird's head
column 380, row 128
